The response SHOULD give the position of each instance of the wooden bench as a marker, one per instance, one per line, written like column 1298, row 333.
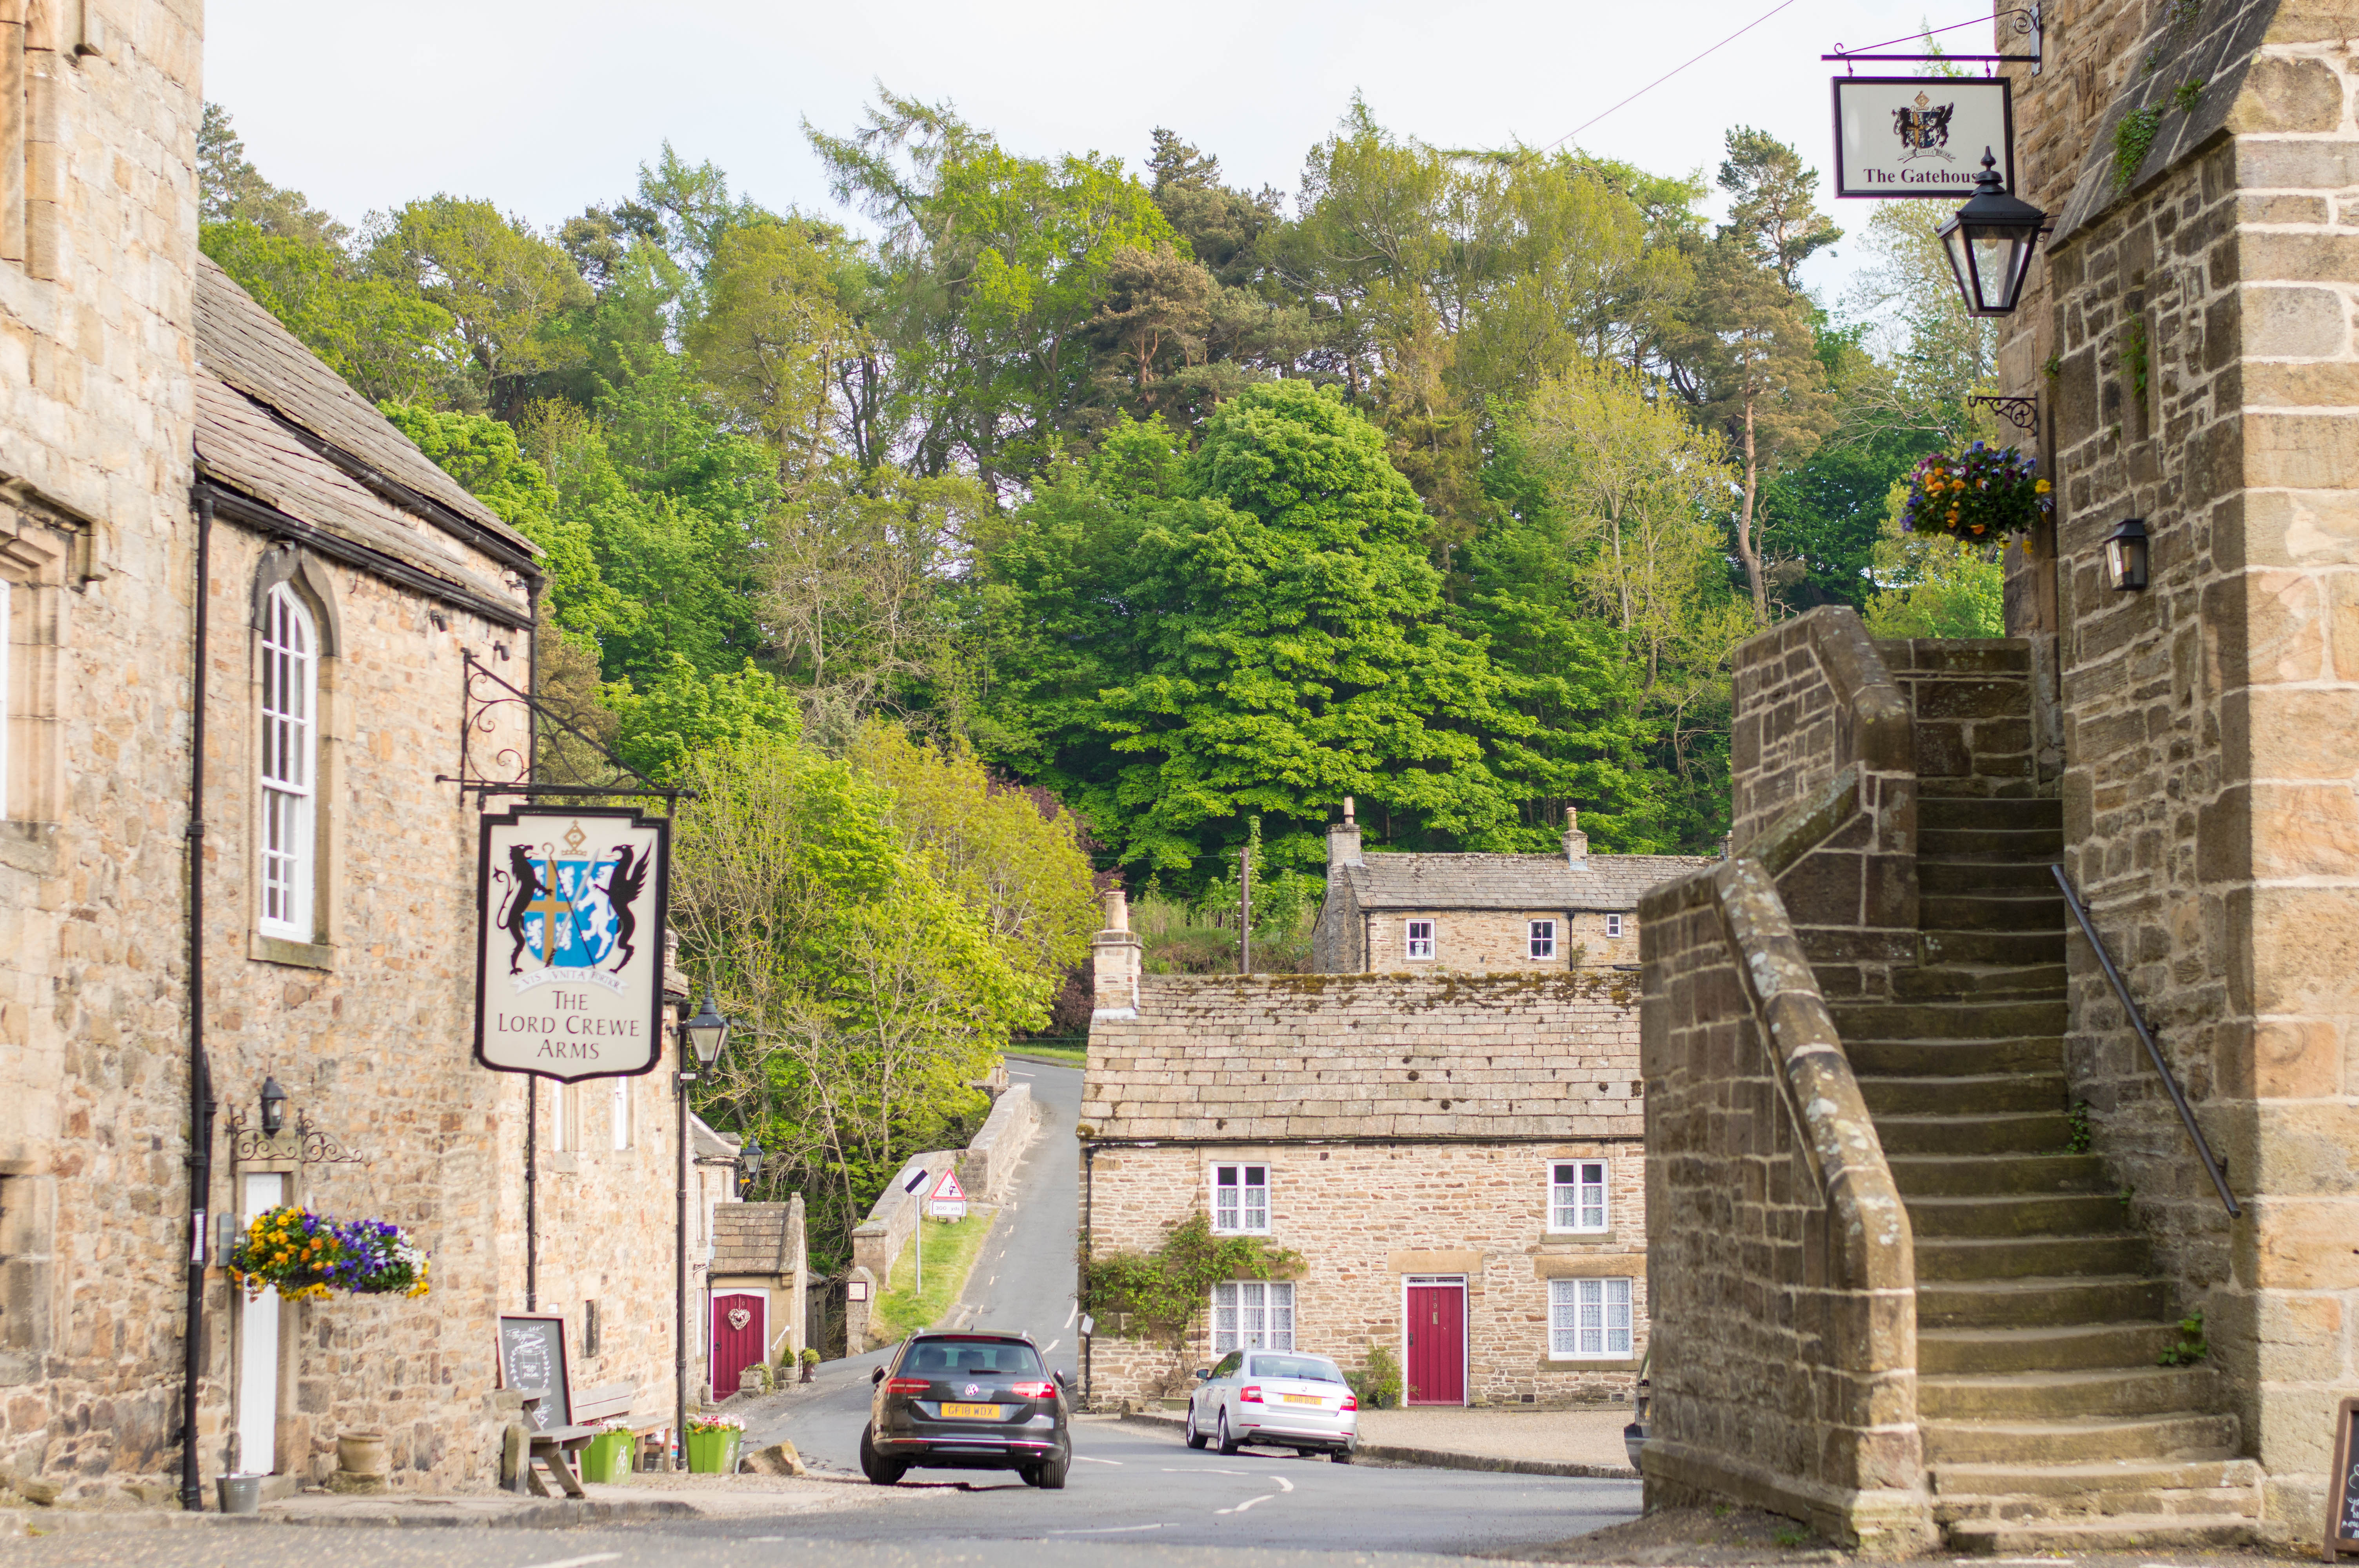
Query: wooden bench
column 536, row 1448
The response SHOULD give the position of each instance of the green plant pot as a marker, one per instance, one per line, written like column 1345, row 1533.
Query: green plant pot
column 608, row 1458
column 713, row 1453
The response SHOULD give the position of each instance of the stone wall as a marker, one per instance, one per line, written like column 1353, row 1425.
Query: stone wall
column 1363, row 1217
column 2190, row 334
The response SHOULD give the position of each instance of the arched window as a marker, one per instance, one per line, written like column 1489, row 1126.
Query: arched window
column 290, row 747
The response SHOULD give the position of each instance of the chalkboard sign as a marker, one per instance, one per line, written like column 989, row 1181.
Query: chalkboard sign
column 2342, row 1491
column 532, row 1355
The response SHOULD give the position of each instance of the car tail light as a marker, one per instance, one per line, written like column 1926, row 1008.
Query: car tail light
column 907, row 1386
column 1249, row 1394
column 1040, row 1389
column 1350, row 1402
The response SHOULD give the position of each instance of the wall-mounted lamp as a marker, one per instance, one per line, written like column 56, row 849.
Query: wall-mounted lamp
column 1991, row 242
column 274, row 1107
column 706, row 1031
column 2126, row 556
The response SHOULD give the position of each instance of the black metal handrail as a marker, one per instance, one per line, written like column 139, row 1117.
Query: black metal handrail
column 2212, row 1166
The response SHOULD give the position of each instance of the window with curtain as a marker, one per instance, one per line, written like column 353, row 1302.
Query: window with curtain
column 1241, row 1199
column 1577, row 1194
column 1588, row 1318
column 291, row 743
column 1253, row 1315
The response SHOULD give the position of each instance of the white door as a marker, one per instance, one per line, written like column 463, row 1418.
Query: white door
column 258, row 1346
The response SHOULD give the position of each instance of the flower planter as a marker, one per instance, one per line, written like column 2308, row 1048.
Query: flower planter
column 607, row 1458
column 713, row 1453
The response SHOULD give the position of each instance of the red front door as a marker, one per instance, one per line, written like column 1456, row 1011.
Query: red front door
column 1436, row 1345
column 740, row 1330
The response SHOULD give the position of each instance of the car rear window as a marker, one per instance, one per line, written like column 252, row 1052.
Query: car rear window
column 970, row 1357
column 1307, row 1368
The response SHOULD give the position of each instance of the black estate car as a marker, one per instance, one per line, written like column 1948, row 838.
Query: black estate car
column 968, row 1401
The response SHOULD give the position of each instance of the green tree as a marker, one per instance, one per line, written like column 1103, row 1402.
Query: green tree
column 229, row 189
column 507, row 287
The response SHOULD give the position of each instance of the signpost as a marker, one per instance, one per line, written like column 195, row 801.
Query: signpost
column 569, row 958
column 915, row 1185
column 950, row 1199
column 1921, row 135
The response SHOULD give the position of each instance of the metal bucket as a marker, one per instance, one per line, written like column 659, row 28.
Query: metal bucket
column 240, row 1494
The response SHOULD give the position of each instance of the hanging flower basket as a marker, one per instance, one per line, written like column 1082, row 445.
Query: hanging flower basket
column 298, row 1254
column 1982, row 493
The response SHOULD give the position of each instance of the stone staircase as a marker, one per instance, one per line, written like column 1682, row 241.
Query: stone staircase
column 2047, row 1422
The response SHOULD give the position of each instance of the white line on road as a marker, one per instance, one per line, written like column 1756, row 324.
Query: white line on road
column 1200, row 1470
column 580, row 1562
column 1283, row 1482
column 1075, row 1312
column 1013, row 1073
column 1109, row 1529
column 1086, row 1459
column 1051, row 1345
column 1246, row 1504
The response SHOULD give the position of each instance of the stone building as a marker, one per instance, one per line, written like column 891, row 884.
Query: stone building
column 1455, row 1160
column 758, row 1289
column 1475, row 913
column 235, row 603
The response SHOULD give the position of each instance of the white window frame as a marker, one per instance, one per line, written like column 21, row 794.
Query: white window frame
column 1253, row 1315
column 1238, row 1214
column 1582, row 1319
column 1418, row 938
column 565, row 1120
column 1583, row 1205
column 1541, row 940
column 288, row 714
column 618, row 1115
column 1614, row 925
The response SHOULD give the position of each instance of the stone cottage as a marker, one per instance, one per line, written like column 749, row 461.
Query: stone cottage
column 1477, row 914
column 1991, row 1217
column 236, row 604
column 1454, row 1159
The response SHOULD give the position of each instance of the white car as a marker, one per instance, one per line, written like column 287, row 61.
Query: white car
column 1275, row 1399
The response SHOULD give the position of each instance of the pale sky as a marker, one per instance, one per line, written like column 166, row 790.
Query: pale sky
column 545, row 106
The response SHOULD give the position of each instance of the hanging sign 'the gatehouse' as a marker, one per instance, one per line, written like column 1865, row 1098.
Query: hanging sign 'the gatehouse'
column 1921, row 135
column 569, row 965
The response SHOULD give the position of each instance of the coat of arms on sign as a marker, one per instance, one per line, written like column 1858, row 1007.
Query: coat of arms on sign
column 560, row 913
column 739, row 1317
column 1923, row 130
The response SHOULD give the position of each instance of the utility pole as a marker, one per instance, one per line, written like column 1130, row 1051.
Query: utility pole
column 1244, row 910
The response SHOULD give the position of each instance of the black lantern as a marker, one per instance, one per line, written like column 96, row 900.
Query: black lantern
column 274, row 1107
column 2126, row 556
column 1991, row 242
column 750, row 1157
column 706, row 1031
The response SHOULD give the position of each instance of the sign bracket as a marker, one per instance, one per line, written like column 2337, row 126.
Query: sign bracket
column 2025, row 21
column 488, row 767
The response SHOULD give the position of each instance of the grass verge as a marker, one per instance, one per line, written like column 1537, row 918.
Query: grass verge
column 951, row 1250
column 1065, row 1055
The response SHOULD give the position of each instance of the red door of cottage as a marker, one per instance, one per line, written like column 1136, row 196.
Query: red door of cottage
column 1437, row 1344
column 740, row 1330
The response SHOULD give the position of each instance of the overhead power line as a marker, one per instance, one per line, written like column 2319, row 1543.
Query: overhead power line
column 1667, row 75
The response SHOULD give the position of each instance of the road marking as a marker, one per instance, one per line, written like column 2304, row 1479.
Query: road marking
column 1086, row 1459
column 584, row 1562
column 1283, row 1482
column 1013, row 1073
column 1072, row 1314
column 1050, row 1345
column 1246, row 1504
column 1200, row 1470
column 1109, row 1529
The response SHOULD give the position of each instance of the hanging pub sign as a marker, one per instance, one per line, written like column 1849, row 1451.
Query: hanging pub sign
column 1921, row 135
column 568, row 961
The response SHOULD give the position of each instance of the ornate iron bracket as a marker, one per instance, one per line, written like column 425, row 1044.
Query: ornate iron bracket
column 2023, row 413
column 488, row 768
column 305, row 1145
column 2024, row 22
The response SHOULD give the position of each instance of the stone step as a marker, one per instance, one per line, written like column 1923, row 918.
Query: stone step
column 1979, row 982
column 1991, row 912
column 1913, row 660
column 1987, row 877
column 2039, row 1301
column 2030, row 1257
column 2011, row 1213
column 2225, row 1486
column 1984, row 1350
column 2040, row 947
column 2014, row 813
column 2020, row 1132
column 1966, row 1175
column 1969, row 1094
column 2044, row 845
column 1951, row 1021
column 2182, row 1434
column 2012, row 1538
column 2078, row 1394
column 1951, row 1058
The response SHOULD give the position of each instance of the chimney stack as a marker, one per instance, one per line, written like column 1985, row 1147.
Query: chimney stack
column 1116, row 960
column 1576, row 842
column 1343, row 840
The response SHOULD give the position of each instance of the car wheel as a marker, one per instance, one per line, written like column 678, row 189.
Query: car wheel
column 1227, row 1443
column 1195, row 1438
column 880, row 1470
column 1050, row 1475
column 1340, row 1456
column 1031, row 1474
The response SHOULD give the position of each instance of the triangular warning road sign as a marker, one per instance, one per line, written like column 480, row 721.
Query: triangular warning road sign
column 947, row 1190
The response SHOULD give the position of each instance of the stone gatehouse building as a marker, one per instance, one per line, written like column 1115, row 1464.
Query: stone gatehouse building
column 1455, row 1159
column 234, row 607
column 1479, row 914
column 1992, row 1216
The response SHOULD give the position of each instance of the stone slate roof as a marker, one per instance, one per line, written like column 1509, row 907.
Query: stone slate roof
column 1510, row 882
column 1368, row 1055
column 706, row 1144
column 752, row 1238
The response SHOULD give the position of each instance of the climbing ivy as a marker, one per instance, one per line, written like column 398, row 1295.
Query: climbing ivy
column 1164, row 1291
